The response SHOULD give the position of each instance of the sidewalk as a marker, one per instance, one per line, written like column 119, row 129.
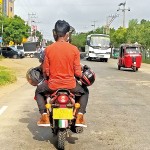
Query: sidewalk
column 145, row 68
column 12, row 87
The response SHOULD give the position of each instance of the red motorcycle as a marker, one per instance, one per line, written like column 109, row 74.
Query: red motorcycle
column 130, row 56
column 62, row 109
column 62, row 106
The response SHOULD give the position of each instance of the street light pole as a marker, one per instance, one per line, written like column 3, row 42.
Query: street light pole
column 123, row 10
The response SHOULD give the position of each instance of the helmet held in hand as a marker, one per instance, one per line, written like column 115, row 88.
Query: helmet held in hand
column 34, row 76
column 88, row 77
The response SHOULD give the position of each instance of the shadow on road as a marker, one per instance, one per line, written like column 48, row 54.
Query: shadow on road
column 42, row 133
column 126, row 69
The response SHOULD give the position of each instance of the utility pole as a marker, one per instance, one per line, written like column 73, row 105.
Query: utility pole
column 31, row 16
column 123, row 10
column 109, row 20
column 94, row 24
column 34, row 28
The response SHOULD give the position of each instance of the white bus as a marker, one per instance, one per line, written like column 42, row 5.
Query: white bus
column 98, row 47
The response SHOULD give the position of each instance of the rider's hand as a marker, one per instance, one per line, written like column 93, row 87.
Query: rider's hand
column 45, row 76
column 85, row 67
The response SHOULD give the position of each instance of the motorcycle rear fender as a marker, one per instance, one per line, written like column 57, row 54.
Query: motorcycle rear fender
column 63, row 123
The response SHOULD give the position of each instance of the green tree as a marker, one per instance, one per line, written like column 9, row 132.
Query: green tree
column 144, row 34
column 119, row 36
column 14, row 30
column 112, row 31
column 98, row 30
column 132, row 31
column 79, row 39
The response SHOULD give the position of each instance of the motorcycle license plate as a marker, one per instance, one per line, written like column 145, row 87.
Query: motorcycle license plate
column 62, row 113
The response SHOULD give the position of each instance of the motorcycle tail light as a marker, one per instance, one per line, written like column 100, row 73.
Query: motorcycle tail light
column 63, row 99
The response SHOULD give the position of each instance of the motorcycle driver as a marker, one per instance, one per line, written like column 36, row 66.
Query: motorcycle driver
column 61, row 64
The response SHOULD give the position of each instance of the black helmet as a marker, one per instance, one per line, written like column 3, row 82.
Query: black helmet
column 88, row 77
column 34, row 76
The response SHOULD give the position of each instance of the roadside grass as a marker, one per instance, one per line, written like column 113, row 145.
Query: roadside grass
column 147, row 61
column 7, row 76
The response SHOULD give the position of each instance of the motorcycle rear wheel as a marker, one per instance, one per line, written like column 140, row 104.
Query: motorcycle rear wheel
column 61, row 139
column 79, row 129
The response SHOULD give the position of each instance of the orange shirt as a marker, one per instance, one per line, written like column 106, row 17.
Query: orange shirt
column 61, row 64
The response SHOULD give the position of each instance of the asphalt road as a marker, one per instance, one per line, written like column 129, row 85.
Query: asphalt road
column 118, row 114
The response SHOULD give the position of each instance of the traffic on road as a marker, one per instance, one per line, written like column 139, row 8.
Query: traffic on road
column 117, row 113
column 74, row 75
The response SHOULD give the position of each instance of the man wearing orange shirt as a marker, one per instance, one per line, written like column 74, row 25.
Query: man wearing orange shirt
column 61, row 66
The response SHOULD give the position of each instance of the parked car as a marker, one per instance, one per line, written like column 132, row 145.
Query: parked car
column 20, row 48
column 11, row 52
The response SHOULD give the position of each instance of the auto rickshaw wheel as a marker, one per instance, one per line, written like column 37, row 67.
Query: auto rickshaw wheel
column 119, row 67
column 137, row 69
column 134, row 69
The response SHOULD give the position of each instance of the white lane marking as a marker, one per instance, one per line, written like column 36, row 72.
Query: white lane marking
column 3, row 109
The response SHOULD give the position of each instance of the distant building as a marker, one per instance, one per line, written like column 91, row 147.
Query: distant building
column 8, row 7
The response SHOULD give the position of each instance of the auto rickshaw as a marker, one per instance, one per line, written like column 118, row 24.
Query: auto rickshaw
column 115, row 53
column 130, row 56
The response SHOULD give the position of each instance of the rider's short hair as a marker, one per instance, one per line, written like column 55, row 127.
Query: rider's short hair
column 61, row 28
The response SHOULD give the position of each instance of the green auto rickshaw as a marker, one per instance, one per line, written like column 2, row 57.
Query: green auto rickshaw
column 115, row 53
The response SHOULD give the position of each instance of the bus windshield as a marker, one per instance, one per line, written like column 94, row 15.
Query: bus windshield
column 100, row 41
column 132, row 50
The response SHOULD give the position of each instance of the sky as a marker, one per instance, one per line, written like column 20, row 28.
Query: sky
column 81, row 14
